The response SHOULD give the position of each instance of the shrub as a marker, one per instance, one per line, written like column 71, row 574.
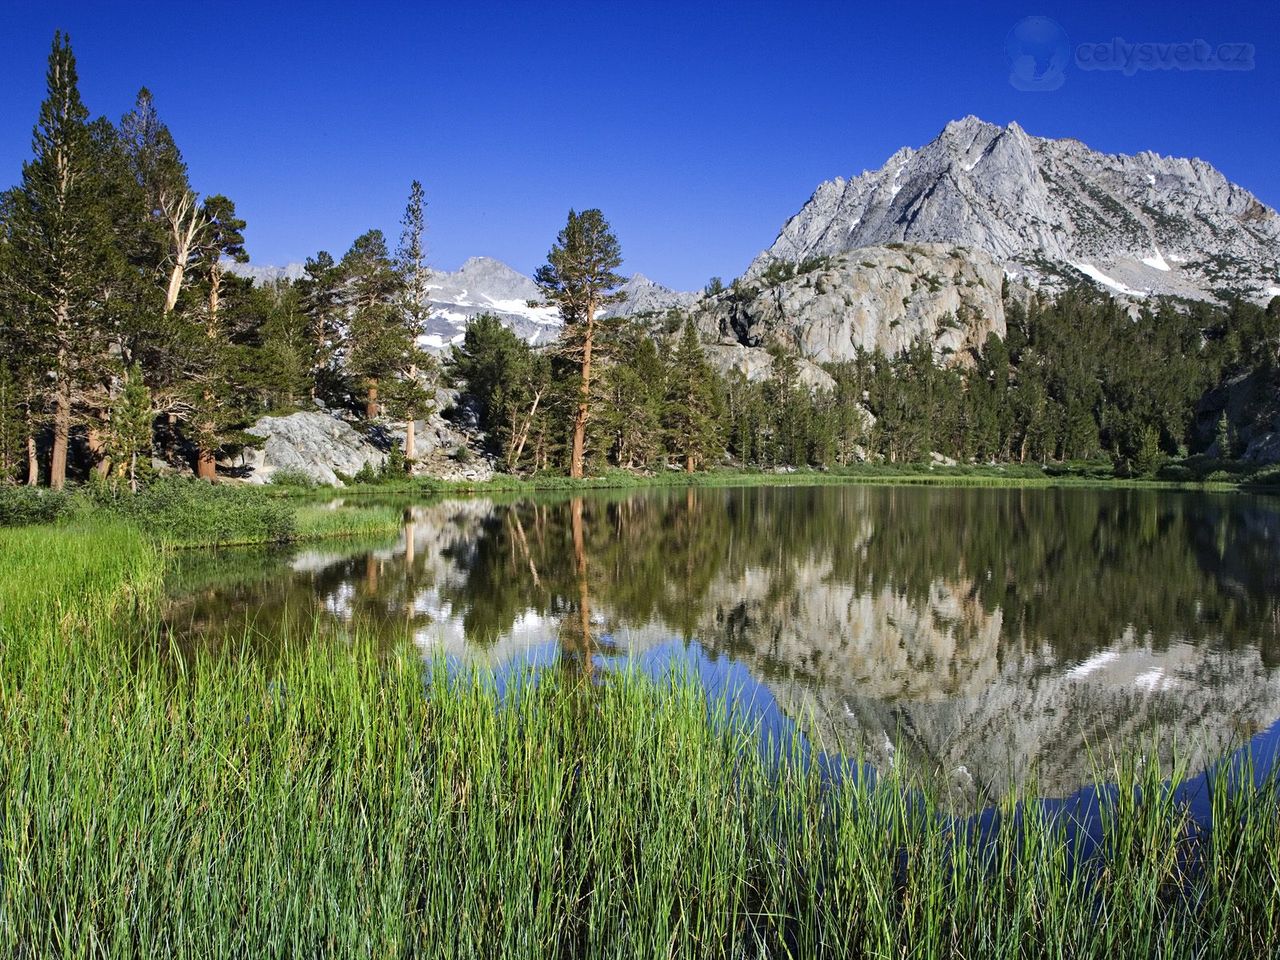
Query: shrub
column 21, row 506
column 188, row 512
column 290, row 477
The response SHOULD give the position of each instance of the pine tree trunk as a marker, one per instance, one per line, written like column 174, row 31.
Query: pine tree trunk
column 61, row 434
column 410, row 448
column 97, row 453
column 206, row 465
column 33, row 462
column 688, row 463
column 578, row 458
column 371, row 401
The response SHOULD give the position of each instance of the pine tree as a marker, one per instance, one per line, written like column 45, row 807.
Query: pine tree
column 510, row 384
column 1222, row 437
column 411, row 398
column 58, row 239
column 131, row 426
column 283, row 371
column 694, row 409
column 320, row 301
column 579, row 278
column 175, row 218
column 629, row 422
column 211, row 385
column 12, row 432
column 380, row 342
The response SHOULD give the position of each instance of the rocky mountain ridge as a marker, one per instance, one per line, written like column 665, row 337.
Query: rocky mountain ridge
column 1052, row 212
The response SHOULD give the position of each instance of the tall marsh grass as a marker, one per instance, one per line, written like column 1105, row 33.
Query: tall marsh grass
column 340, row 802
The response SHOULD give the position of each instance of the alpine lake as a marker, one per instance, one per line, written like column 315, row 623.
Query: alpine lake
column 1000, row 639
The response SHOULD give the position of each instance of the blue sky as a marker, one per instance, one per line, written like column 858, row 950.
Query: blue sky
column 697, row 127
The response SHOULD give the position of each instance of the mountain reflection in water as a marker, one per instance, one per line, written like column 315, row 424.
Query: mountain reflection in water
column 985, row 634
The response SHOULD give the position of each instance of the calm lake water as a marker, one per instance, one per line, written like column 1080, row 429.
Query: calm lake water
column 990, row 635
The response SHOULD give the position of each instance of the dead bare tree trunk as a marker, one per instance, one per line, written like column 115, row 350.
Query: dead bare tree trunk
column 410, row 445
column 185, row 225
column 523, row 435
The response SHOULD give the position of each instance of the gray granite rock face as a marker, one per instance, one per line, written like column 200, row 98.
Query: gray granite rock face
column 646, row 296
column 874, row 298
column 313, row 443
column 1052, row 211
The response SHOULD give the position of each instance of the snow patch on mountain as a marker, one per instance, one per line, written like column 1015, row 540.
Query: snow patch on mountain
column 1093, row 273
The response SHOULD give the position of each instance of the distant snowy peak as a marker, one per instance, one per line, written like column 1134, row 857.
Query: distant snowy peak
column 263, row 275
column 1051, row 211
column 485, row 285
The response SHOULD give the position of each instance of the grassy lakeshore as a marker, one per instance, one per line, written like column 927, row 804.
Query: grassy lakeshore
column 341, row 801
column 1198, row 474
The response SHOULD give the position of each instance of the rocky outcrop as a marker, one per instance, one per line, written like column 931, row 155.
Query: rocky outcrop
column 1054, row 211
column 312, row 443
column 882, row 298
column 1252, row 405
column 757, row 365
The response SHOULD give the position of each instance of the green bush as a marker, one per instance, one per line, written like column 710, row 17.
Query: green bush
column 21, row 506
column 293, row 478
column 186, row 512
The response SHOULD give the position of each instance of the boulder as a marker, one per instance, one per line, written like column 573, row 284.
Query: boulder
column 312, row 443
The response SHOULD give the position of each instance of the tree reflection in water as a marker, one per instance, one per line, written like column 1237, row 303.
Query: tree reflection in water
column 990, row 633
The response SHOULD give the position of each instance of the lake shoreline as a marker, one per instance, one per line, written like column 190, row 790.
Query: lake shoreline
column 1012, row 475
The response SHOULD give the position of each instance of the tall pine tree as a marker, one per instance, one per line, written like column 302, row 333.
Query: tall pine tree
column 59, row 241
column 694, row 407
column 579, row 277
column 409, row 398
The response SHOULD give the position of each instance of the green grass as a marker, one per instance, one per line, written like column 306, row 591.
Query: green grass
column 317, row 522
column 189, row 513
column 1214, row 476
column 329, row 803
